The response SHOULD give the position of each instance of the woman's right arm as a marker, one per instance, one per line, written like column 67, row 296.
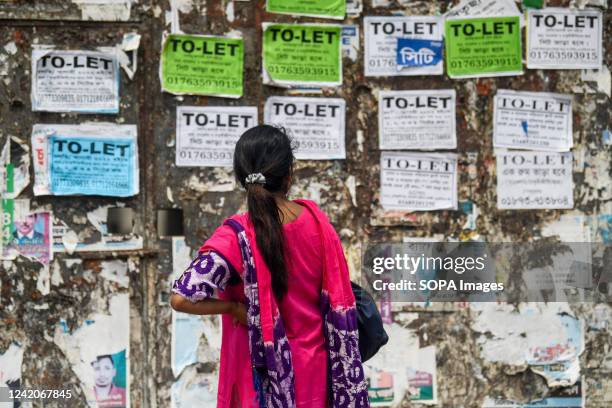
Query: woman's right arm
column 209, row 307
column 193, row 291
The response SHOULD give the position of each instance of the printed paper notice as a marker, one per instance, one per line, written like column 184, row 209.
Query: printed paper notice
column 532, row 120
column 314, row 8
column 206, row 136
column 422, row 377
column 481, row 47
column 418, row 181
column 484, row 8
column 316, row 125
column 31, row 237
column 7, row 194
column 350, row 41
column 557, row 397
column 89, row 159
column 74, row 81
column 381, row 42
column 534, row 180
column 98, row 352
column 414, row 53
column 11, row 361
column 417, row 119
column 354, row 8
column 560, row 38
column 202, row 65
column 302, row 54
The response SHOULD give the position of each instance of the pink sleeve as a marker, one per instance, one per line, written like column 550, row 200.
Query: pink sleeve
column 207, row 274
column 218, row 263
column 225, row 243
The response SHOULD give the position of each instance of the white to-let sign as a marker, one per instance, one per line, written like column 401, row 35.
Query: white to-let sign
column 534, row 180
column 418, row 181
column 206, row 135
column 532, row 120
column 422, row 119
column 315, row 124
column 381, row 36
column 561, row 38
column 74, row 81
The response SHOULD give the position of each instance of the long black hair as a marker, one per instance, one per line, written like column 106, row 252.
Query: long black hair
column 267, row 150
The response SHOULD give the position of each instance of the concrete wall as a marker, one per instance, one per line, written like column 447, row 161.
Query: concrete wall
column 348, row 189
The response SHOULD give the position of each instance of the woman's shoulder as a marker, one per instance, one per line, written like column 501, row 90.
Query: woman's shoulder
column 224, row 236
column 307, row 202
column 242, row 218
column 224, row 242
column 313, row 207
column 320, row 215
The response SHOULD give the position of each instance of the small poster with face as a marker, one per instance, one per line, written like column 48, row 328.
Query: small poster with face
column 31, row 237
column 110, row 380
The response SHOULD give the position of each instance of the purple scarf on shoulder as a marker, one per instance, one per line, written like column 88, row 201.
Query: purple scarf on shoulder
column 273, row 374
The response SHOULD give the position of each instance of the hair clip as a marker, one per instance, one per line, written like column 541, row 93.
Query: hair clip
column 255, row 178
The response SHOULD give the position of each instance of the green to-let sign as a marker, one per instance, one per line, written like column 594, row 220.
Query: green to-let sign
column 302, row 54
column 202, row 65
column 316, row 8
column 487, row 46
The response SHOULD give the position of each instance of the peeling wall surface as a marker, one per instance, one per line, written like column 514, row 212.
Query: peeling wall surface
column 52, row 316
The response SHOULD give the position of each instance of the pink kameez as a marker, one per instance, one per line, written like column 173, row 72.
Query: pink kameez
column 300, row 311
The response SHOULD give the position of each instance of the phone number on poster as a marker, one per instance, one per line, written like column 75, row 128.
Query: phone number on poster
column 526, row 200
column 189, row 154
column 381, row 62
column 483, row 63
column 68, row 182
column 301, row 70
column 564, row 55
column 181, row 80
column 310, row 144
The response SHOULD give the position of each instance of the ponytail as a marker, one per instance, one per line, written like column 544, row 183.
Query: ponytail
column 267, row 150
column 265, row 217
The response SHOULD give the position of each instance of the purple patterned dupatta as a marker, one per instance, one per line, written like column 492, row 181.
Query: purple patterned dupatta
column 273, row 375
